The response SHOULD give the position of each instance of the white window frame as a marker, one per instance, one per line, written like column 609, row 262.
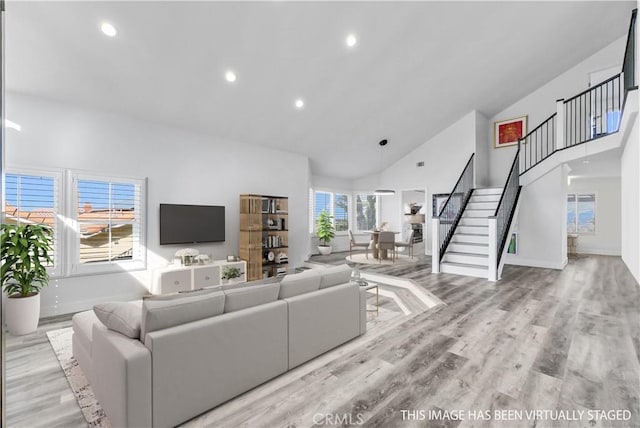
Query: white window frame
column 595, row 212
column 59, row 261
column 73, row 237
column 332, row 193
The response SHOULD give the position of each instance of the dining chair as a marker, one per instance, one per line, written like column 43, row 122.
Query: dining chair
column 355, row 244
column 386, row 241
column 406, row 244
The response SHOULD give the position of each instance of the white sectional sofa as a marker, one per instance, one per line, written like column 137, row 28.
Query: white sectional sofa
column 174, row 357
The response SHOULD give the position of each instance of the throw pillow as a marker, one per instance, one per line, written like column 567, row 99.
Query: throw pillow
column 158, row 314
column 123, row 317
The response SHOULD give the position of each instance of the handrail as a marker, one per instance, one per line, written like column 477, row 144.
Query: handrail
column 537, row 127
column 506, row 206
column 451, row 211
column 629, row 61
column 604, row 82
column 538, row 144
column 456, row 185
column 511, row 171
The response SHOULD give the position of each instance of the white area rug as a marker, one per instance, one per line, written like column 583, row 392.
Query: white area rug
column 400, row 260
column 61, row 343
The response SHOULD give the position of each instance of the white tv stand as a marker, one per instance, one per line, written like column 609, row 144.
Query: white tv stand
column 175, row 278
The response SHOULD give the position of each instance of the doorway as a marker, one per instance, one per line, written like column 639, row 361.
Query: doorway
column 413, row 208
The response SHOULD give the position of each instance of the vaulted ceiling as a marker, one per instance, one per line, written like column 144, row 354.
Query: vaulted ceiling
column 416, row 67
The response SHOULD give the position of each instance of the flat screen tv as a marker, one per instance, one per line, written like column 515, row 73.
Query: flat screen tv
column 190, row 224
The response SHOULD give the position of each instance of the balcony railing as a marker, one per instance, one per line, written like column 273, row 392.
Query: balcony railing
column 593, row 113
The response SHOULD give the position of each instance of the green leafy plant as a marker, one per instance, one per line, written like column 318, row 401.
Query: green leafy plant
column 26, row 250
column 231, row 272
column 324, row 227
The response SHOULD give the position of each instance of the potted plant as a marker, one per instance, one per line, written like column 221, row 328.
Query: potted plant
column 26, row 252
column 230, row 274
column 325, row 232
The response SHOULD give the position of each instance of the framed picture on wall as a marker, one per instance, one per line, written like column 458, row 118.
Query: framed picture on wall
column 508, row 132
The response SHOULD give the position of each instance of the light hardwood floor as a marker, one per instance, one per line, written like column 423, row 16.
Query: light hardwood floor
column 539, row 339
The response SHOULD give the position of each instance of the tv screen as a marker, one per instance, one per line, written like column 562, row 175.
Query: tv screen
column 188, row 224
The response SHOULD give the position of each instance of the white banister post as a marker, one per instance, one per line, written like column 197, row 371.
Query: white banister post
column 560, row 143
column 435, row 247
column 493, row 249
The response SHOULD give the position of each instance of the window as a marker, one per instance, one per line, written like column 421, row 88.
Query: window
column 366, row 211
column 571, row 214
column 581, row 213
column 341, row 212
column 337, row 204
column 98, row 222
column 33, row 197
column 321, row 202
column 109, row 215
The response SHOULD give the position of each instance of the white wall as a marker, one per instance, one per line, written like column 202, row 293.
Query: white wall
column 444, row 155
column 483, row 152
column 330, row 183
column 541, row 222
column 630, row 202
column 607, row 238
column 181, row 166
column 541, row 103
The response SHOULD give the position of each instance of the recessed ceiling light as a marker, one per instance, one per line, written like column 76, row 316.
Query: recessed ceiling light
column 108, row 29
column 299, row 103
column 351, row 40
column 230, row 76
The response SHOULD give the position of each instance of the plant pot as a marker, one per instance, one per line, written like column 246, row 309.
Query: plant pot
column 324, row 250
column 23, row 314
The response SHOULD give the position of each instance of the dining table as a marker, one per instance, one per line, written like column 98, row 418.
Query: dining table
column 375, row 234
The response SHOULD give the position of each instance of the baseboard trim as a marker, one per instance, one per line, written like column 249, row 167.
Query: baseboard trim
column 599, row 252
column 545, row 264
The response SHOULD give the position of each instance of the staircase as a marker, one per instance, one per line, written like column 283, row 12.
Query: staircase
column 468, row 251
column 470, row 232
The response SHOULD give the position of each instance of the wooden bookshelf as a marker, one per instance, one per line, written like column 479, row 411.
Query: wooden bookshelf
column 264, row 229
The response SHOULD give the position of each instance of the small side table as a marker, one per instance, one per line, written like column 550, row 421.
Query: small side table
column 371, row 287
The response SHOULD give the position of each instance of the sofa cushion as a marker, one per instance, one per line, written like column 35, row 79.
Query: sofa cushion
column 158, row 314
column 123, row 317
column 246, row 297
column 335, row 275
column 299, row 283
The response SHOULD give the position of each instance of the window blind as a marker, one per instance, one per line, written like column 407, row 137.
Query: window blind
column 33, row 199
column 109, row 215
